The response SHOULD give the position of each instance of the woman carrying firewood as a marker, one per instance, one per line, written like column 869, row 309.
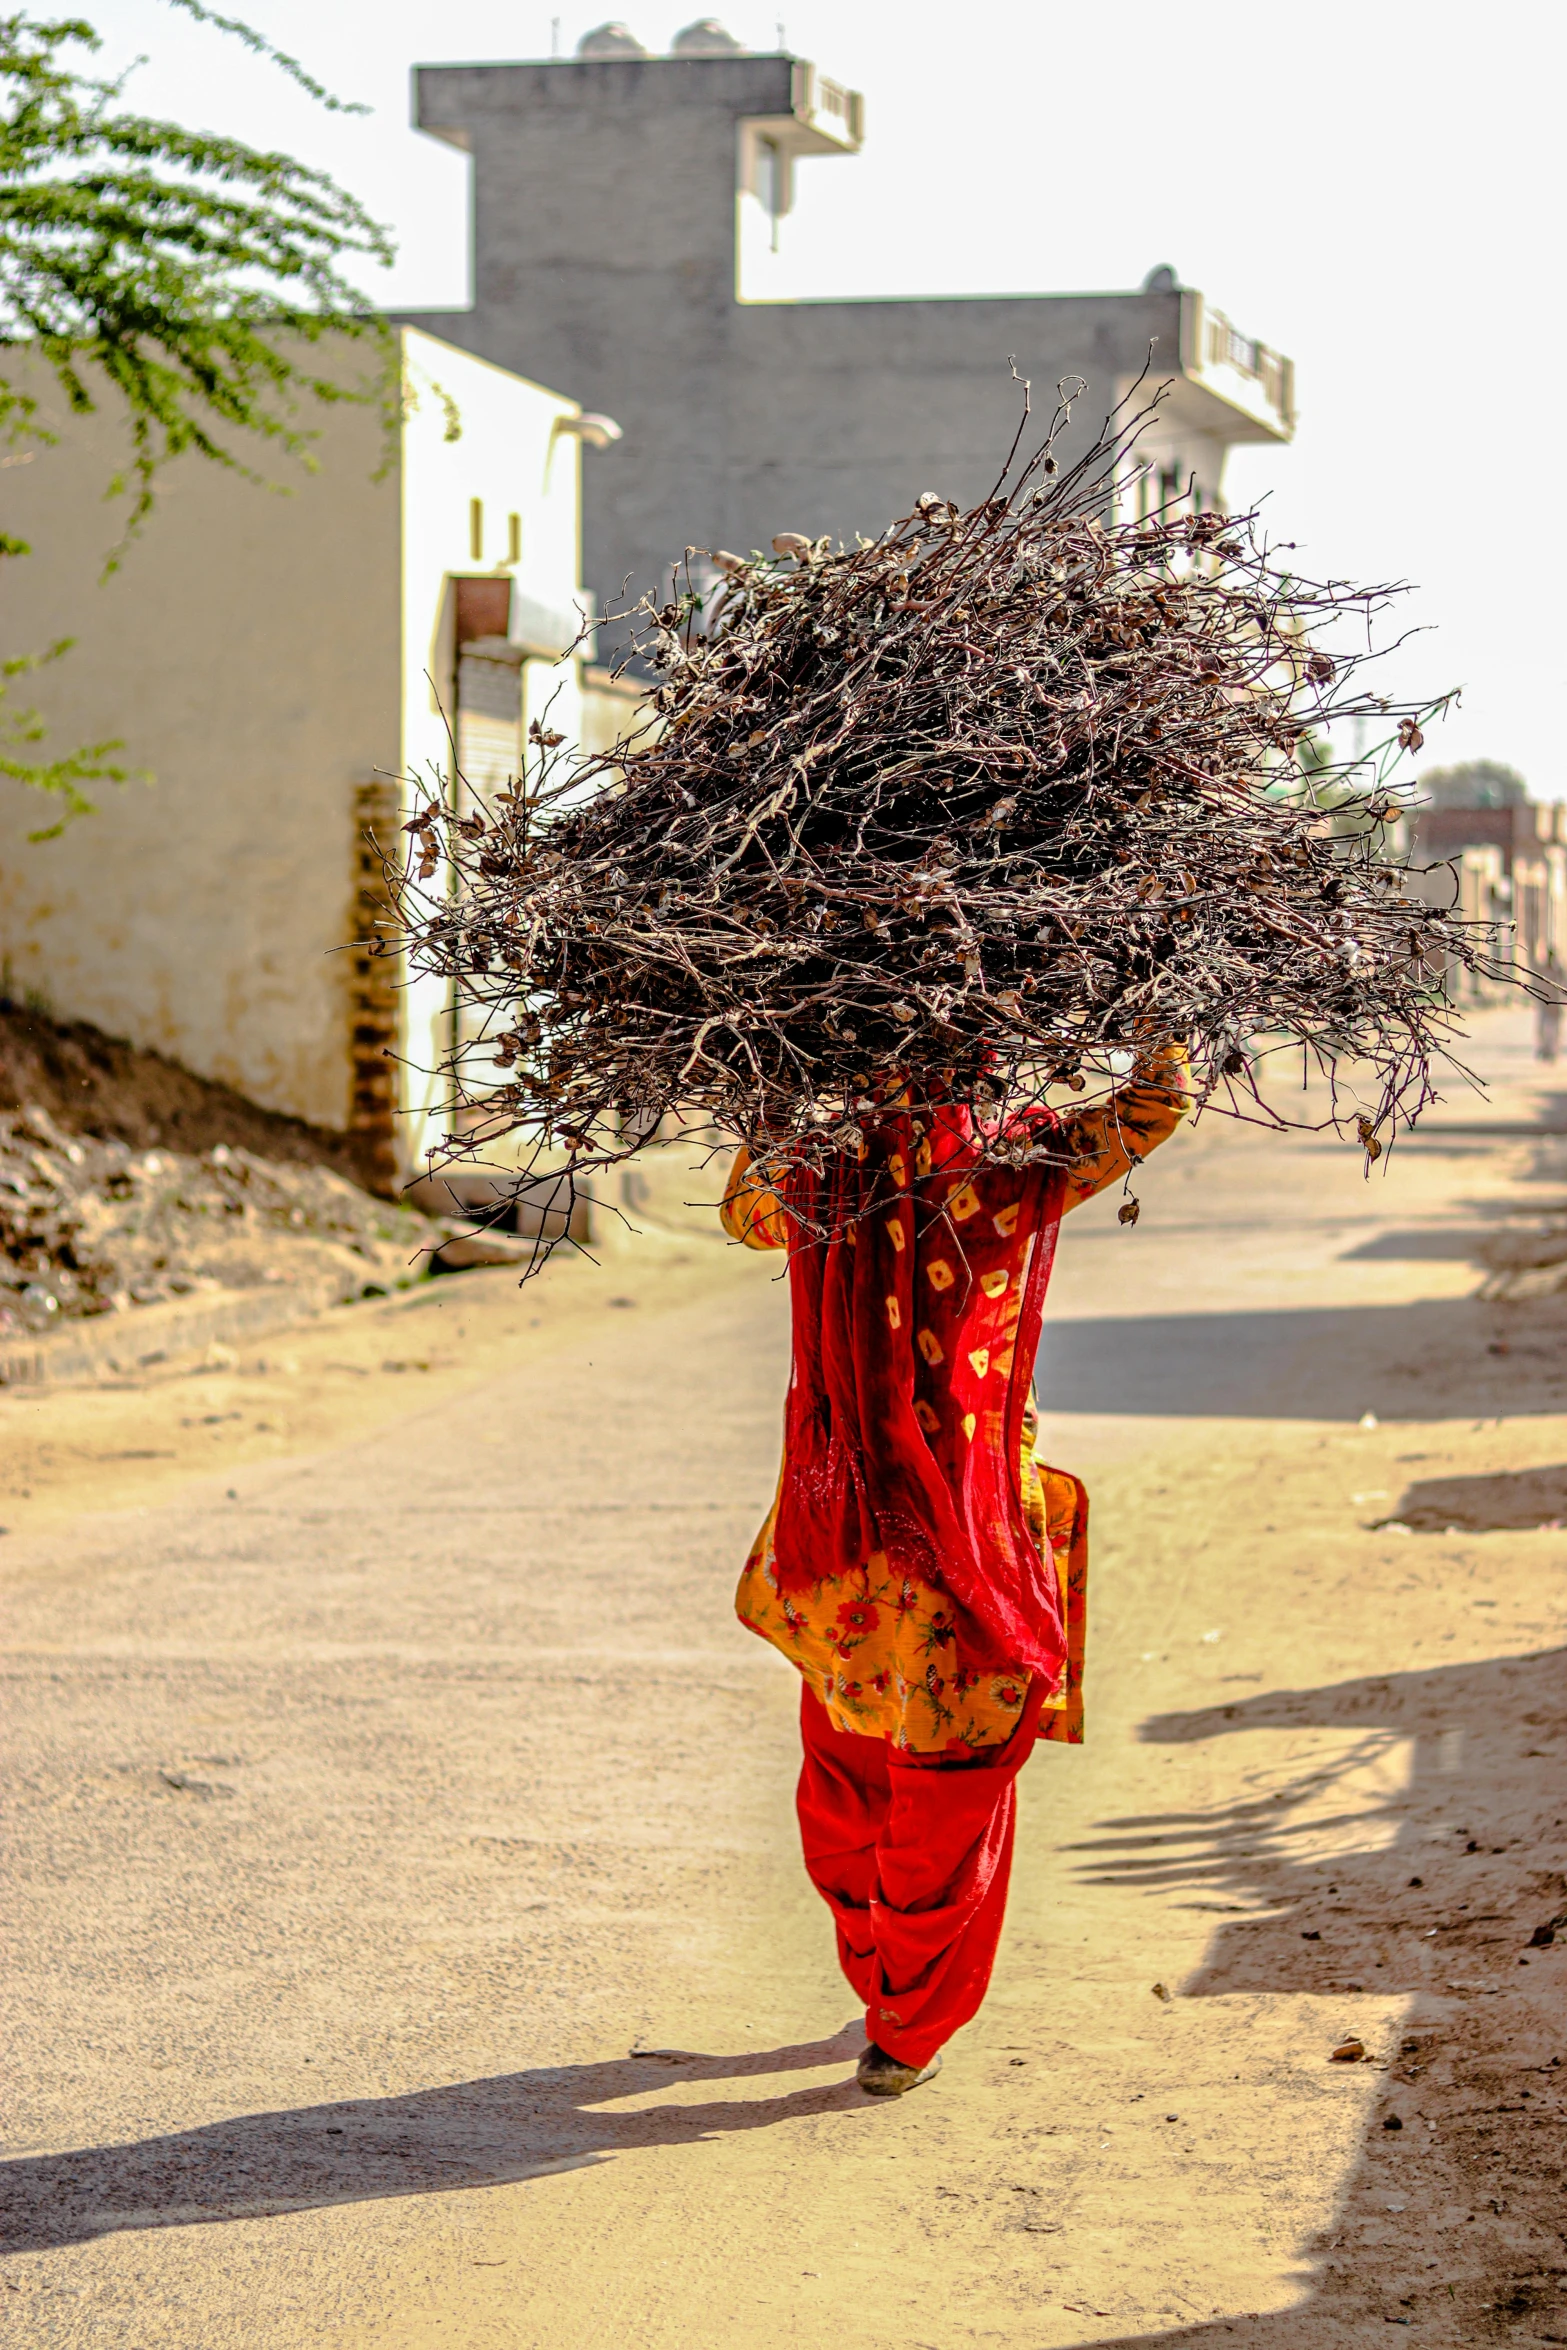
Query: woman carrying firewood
column 911, row 831
column 927, row 1576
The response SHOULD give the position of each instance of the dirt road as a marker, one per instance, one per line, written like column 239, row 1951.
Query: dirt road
column 387, row 1768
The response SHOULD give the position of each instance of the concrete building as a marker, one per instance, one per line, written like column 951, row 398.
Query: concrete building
column 618, row 200
column 277, row 666
column 1507, row 856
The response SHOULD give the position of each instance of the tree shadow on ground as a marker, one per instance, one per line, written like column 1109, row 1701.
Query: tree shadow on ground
column 1454, row 1244
column 1436, row 1891
column 1418, row 1361
column 1436, row 1887
column 1509, row 1500
column 483, row 2133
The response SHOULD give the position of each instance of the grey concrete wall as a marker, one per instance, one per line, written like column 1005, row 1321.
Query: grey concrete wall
column 841, row 413
column 605, row 227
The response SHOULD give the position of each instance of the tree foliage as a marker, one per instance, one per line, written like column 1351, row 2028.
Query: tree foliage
column 62, row 777
column 194, row 281
column 1475, row 783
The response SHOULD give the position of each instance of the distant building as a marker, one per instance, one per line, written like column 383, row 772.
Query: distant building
column 278, row 665
column 1475, row 784
column 1507, row 855
column 616, row 196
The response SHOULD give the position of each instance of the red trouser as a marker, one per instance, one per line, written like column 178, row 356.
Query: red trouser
column 912, row 1857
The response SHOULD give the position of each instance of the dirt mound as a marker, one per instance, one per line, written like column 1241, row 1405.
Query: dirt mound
column 1527, row 1263
column 124, row 1181
column 92, row 1084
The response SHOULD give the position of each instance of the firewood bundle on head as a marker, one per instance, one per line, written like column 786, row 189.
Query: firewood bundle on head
column 962, row 809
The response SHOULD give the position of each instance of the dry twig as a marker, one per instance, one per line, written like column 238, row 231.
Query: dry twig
column 965, row 808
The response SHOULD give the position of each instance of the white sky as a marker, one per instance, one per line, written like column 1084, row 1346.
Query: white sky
column 1366, row 187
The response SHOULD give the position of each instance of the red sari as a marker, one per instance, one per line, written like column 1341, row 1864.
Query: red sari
column 914, row 1334
column 913, row 1564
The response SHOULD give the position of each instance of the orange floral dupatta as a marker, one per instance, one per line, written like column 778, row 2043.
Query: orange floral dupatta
column 915, row 1332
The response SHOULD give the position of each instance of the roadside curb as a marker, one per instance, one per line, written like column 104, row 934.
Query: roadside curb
column 121, row 1345
column 135, row 1341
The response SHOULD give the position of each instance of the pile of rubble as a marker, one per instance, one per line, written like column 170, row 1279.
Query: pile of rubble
column 90, row 1225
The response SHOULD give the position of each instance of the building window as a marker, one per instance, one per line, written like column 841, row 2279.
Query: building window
column 476, row 529
column 514, row 538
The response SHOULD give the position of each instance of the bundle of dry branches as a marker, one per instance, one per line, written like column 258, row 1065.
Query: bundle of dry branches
column 965, row 808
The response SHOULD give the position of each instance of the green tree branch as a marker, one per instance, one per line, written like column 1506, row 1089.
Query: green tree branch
column 61, row 777
column 263, row 48
column 197, row 280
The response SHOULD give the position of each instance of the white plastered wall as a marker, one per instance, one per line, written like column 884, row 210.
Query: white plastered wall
column 511, row 457
column 263, row 657
column 246, row 654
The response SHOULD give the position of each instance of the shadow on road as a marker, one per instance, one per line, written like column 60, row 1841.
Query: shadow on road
column 1508, row 1501
column 471, row 2134
column 1435, row 1891
column 1436, row 1887
column 1429, row 1359
column 1433, row 1244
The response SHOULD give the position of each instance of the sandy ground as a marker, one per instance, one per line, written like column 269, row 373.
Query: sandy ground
column 406, row 1940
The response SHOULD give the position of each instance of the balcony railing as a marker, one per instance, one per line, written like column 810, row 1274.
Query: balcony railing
column 1228, row 347
column 835, row 114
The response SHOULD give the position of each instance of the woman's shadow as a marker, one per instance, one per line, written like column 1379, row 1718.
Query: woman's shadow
column 472, row 2134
